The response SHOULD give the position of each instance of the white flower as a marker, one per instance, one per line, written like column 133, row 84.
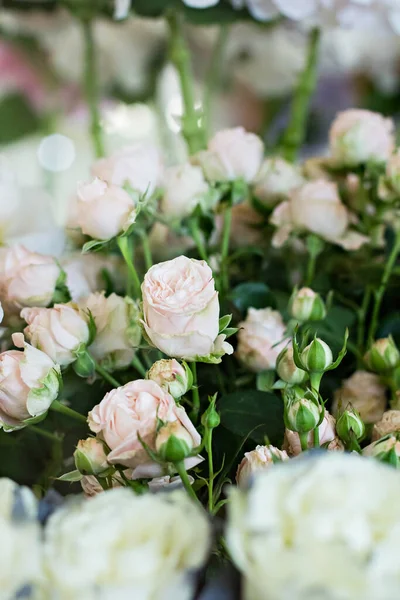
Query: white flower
column 261, row 337
column 121, row 9
column 304, row 521
column 120, row 545
column 184, row 188
column 275, row 180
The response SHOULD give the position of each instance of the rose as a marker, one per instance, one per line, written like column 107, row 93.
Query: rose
column 58, row 331
column 104, row 211
column 358, row 136
column 327, row 436
column 232, row 154
column 129, row 546
column 90, row 457
column 138, row 165
column 29, row 383
column 172, row 376
column 389, row 423
column 118, row 330
column 86, row 273
column 181, row 308
column 27, row 278
column 261, row 339
column 132, row 413
column 313, row 519
column 365, row 393
column 184, row 188
column 261, row 458
column 275, row 180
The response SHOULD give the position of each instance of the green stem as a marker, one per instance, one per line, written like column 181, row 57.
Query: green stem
column 226, row 232
column 106, row 375
column 148, row 259
column 92, row 88
column 316, row 437
column 46, row 434
column 315, row 380
column 180, row 467
column 57, row 406
column 136, row 362
column 198, row 239
column 123, row 244
column 303, row 441
column 380, row 292
column 312, row 261
column 214, row 73
column 192, row 129
column 210, row 470
column 195, row 394
column 296, row 130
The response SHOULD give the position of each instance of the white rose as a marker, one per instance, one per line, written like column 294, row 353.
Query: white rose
column 304, row 521
column 149, row 546
column 275, row 180
column 104, row 211
column 232, row 154
column 184, row 188
column 365, row 393
column 58, row 331
column 261, row 458
column 118, row 330
column 261, row 337
column 358, row 136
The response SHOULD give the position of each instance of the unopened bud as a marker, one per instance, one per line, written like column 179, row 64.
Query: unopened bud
column 211, row 419
column 387, row 449
column 84, row 365
column 287, row 369
column 307, row 305
column 317, row 356
column 173, row 442
column 177, row 379
column 350, row 426
column 90, row 457
column 383, row 355
column 302, row 415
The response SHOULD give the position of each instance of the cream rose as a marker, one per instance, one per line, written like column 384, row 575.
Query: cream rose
column 134, row 411
column 172, row 376
column 389, row 423
column 27, row 278
column 29, row 383
column 58, row 331
column 232, row 154
column 365, row 393
column 358, row 136
column 327, row 436
column 261, row 338
column 184, row 188
column 181, row 308
column 129, row 546
column 104, row 211
column 139, row 166
column 118, row 331
column 261, row 458
column 275, row 180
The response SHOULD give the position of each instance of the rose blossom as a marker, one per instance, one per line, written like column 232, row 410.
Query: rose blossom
column 327, row 435
column 172, row 376
column 365, row 393
column 138, row 165
column 90, row 457
column 27, row 278
column 29, row 383
column 275, row 180
column 132, row 411
column 58, row 331
column 389, row 423
column 104, row 211
column 358, row 136
column 261, row 458
column 232, row 154
column 181, row 308
column 184, row 188
column 118, row 330
column 261, row 339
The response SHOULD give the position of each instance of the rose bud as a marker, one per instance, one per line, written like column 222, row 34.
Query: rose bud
column 90, row 457
column 29, row 383
column 104, row 211
column 261, row 338
column 387, row 449
column 257, row 460
column 231, row 154
column 383, row 355
column 365, row 393
column 327, row 437
column 173, row 442
column 181, row 309
column 317, row 356
column 275, row 180
column 359, row 136
column 287, row 369
column 302, row 415
column 211, row 419
column 184, row 188
column 59, row 331
column 172, row 376
column 27, row 278
column 307, row 305
column 350, row 426
column 389, row 423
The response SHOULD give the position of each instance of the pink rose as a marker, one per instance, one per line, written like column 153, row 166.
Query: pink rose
column 104, row 211
column 261, row 337
column 257, row 460
column 184, row 189
column 327, row 435
column 132, row 411
column 358, row 136
column 27, row 278
column 181, row 308
column 58, row 331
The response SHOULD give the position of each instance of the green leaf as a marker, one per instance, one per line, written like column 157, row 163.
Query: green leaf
column 72, row 476
column 252, row 294
column 265, row 381
column 224, row 322
column 230, row 331
column 94, row 245
column 243, row 411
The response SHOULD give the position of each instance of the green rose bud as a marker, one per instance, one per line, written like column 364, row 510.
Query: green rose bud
column 302, row 415
column 307, row 305
column 84, row 365
column 90, row 457
column 287, row 369
column 350, row 426
column 173, row 442
column 387, row 449
column 317, row 356
column 211, row 418
column 383, row 355
column 174, row 377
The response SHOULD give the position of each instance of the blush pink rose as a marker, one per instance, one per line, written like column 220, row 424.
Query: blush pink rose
column 261, row 338
column 132, row 411
column 103, row 211
column 181, row 308
column 257, row 460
